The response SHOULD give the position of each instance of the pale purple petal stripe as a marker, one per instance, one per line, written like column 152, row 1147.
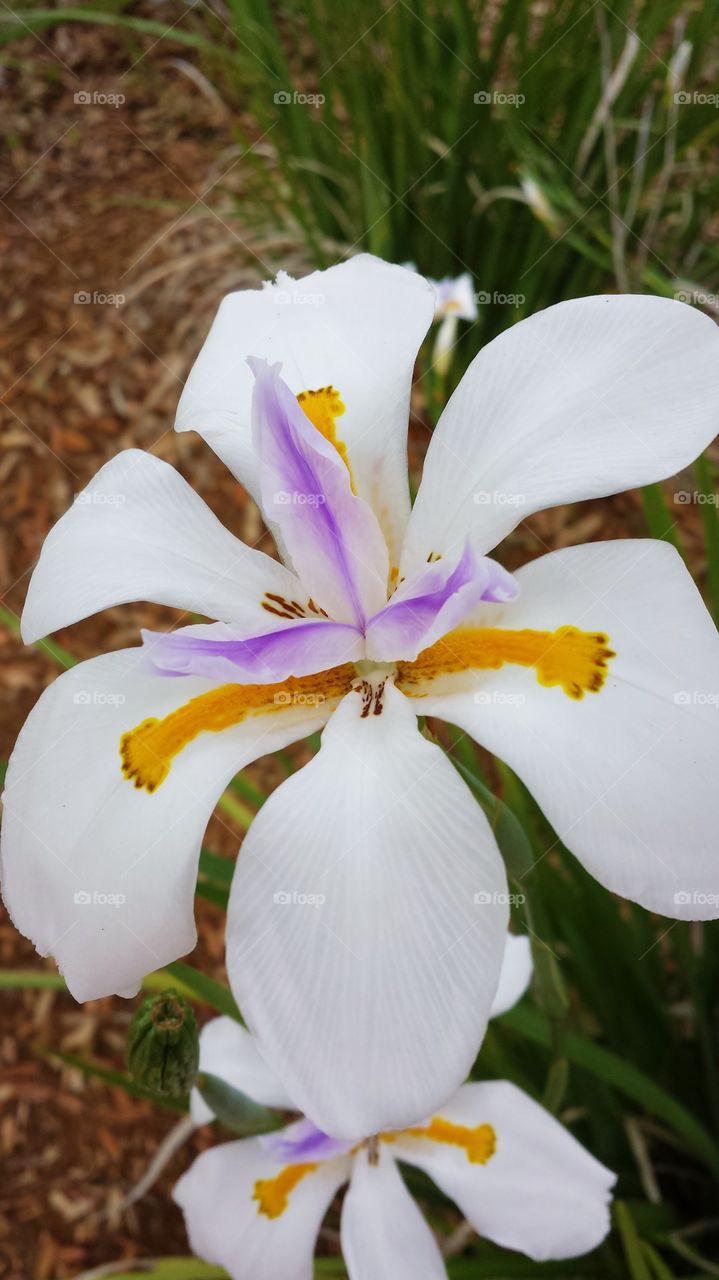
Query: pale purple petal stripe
column 216, row 651
column 333, row 537
column 303, row 1141
column 432, row 603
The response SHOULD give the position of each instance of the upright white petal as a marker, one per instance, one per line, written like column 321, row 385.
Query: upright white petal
column 358, row 327
column 384, row 1236
column 229, row 1052
column 627, row 776
column 331, row 534
column 225, row 1226
column 589, row 397
column 140, row 532
column 366, row 924
column 515, row 974
column 540, row 1192
column 97, row 873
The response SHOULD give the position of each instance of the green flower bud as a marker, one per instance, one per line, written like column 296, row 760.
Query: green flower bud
column 163, row 1046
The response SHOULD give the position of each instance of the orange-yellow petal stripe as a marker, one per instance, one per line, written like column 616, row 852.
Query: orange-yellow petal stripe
column 574, row 660
column 479, row 1143
column 323, row 407
column 147, row 751
column 272, row 1194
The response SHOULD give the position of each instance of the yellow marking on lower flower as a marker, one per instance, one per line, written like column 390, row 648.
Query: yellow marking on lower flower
column 574, row 660
column 147, row 751
column 479, row 1143
column 272, row 1194
column 323, row 407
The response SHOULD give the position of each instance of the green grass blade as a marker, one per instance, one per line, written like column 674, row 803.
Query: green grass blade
column 204, row 989
column 661, row 522
column 116, row 1078
column 634, row 1084
column 631, row 1243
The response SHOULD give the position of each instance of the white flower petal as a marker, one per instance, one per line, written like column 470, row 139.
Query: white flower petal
column 384, row 1235
column 627, row 776
column 515, row 975
column 97, row 873
column 358, row 327
column 540, row 1192
column 355, row 943
column 586, row 398
column 140, row 532
column 229, row 1052
column 225, row 1226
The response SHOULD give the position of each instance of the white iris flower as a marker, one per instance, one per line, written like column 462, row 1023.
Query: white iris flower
column 369, row 908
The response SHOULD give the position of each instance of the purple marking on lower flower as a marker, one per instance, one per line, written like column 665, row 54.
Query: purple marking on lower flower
column 303, row 1141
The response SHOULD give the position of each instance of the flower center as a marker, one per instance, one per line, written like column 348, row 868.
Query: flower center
column 572, row 660
column 479, row 1145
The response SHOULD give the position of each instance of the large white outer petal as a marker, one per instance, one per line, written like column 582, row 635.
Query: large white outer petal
column 357, row 326
column 224, row 1226
column 626, row 776
column 140, row 532
column 356, row 949
column 77, row 836
column 229, row 1052
column 540, row 1192
column 384, row 1235
column 587, row 398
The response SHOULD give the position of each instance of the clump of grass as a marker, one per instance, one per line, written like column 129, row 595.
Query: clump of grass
column 552, row 150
